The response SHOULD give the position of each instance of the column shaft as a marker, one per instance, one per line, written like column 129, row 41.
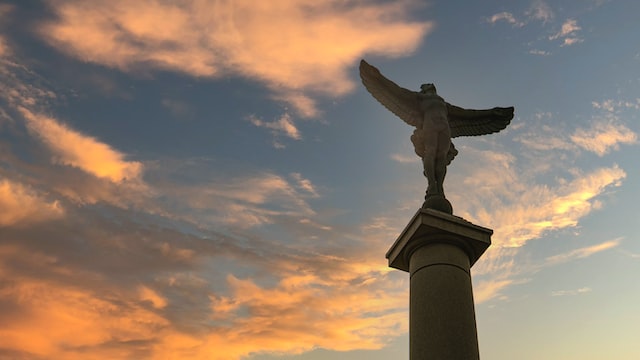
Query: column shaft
column 442, row 324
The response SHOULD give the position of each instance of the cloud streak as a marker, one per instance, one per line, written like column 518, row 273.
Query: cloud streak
column 583, row 252
column 519, row 211
column 307, row 52
column 72, row 148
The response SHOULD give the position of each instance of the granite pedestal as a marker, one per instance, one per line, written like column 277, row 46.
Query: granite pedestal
column 438, row 250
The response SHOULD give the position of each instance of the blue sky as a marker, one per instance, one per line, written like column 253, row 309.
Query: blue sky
column 209, row 179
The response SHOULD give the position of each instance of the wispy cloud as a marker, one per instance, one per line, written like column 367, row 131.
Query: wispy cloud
column 308, row 51
column 506, row 17
column 583, row 252
column 605, row 134
column 245, row 201
column 579, row 291
column 603, row 137
column 539, row 52
column 541, row 11
column 181, row 110
column 520, row 211
column 72, row 148
column 64, row 162
column 282, row 126
column 568, row 33
column 614, row 106
column 487, row 290
column 405, row 159
column 305, row 184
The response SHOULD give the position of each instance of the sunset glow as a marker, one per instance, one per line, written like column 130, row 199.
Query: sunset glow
column 209, row 180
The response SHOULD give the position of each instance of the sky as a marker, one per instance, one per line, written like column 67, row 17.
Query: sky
column 210, row 180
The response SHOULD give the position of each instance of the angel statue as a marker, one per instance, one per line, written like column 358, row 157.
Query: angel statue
column 436, row 122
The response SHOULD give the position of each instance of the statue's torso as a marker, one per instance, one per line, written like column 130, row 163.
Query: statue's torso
column 434, row 113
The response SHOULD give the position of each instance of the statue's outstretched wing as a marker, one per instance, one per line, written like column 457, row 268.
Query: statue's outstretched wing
column 463, row 122
column 400, row 101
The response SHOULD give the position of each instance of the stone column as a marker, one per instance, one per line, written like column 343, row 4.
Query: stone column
column 438, row 250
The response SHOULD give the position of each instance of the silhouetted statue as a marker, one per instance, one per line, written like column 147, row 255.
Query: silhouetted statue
column 436, row 122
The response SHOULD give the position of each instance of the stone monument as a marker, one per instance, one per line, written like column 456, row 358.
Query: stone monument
column 437, row 248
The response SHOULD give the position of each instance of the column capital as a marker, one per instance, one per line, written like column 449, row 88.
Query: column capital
column 430, row 226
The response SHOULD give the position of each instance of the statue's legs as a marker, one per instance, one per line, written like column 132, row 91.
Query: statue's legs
column 429, row 163
column 440, row 167
column 441, row 171
column 435, row 168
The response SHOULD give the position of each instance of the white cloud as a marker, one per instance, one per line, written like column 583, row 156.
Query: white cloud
column 310, row 50
column 605, row 134
column 614, row 106
column 539, row 52
column 283, row 126
column 568, row 33
column 505, row 16
column 570, row 41
column 603, row 137
column 582, row 290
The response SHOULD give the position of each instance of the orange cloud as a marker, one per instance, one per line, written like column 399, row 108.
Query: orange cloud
column 487, row 290
column 519, row 210
column 148, row 294
column 4, row 49
column 58, row 310
column 75, row 149
column 5, row 10
column 20, row 204
column 304, row 311
column 310, row 49
column 67, row 322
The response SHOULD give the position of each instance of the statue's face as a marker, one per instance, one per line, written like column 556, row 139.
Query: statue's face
column 428, row 88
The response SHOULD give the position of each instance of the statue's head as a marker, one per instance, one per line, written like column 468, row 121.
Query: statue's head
column 428, row 88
